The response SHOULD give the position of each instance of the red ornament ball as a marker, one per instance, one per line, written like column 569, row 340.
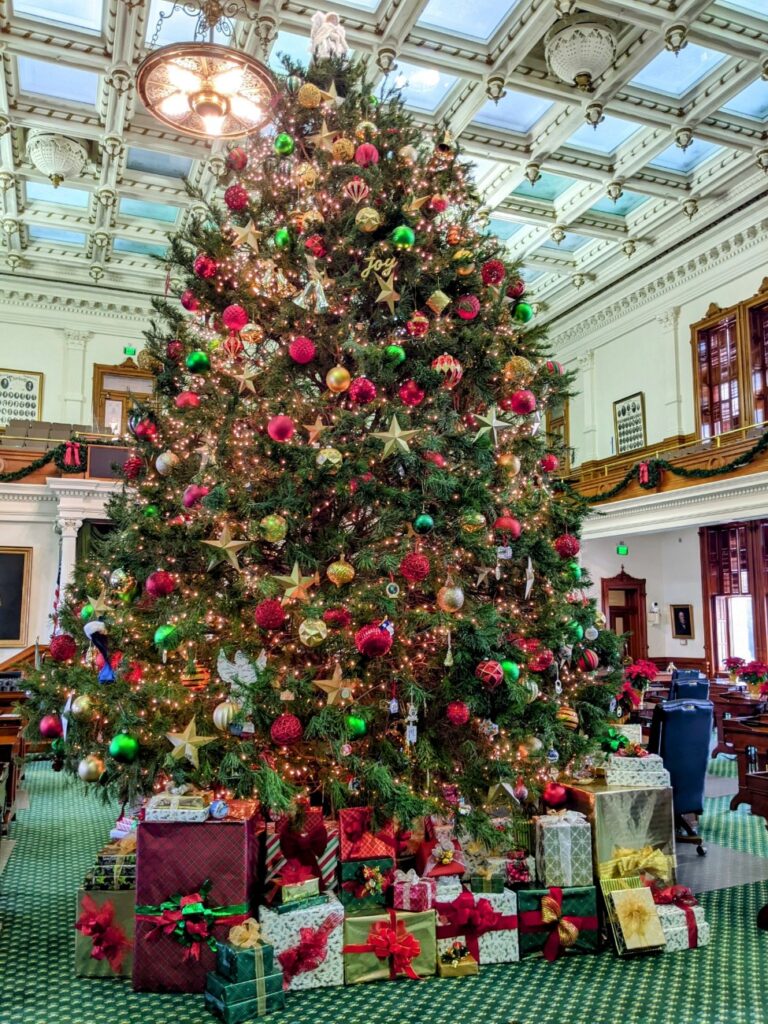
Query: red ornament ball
column 174, row 350
column 205, row 266
column 449, row 368
column 366, row 155
column 438, row 203
column 468, row 306
column 411, row 394
column 270, row 614
column 516, row 290
column 302, row 350
column 187, row 400
column 415, row 567
column 237, row 159
column 567, row 546
column 555, row 368
column 554, row 795
column 589, row 660
column 490, row 674
column 417, row 326
column 236, row 198
column 541, row 661
column 493, row 272
column 373, row 641
column 316, row 245
column 436, row 459
column 234, row 318
column 508, row 525
column 145, row 430
column 361, row 391
column 133, row 467
column 51, row 727
column 190, row 301
column 522, row 402
column 194, row 494
column 549, row 463
column 337, row 618
column 62, row 647
column 286, row 730
column 281, row 428
column 160, row 584
column 457, row 712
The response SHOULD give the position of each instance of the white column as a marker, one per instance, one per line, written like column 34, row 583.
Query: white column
column 77, row 406
column 668, row 319
column 585, row 383
column 69, row 528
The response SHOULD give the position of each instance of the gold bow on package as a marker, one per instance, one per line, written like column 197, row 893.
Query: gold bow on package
column 646, row 861
column 638, row 918
column 246, row 935
column 551, row 912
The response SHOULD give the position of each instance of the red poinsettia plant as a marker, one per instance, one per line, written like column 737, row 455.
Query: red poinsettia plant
column 754, row 672
column 734, row 664
column 641, row 673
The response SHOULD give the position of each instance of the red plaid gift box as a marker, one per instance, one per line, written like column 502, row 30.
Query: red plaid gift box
column 357, row 838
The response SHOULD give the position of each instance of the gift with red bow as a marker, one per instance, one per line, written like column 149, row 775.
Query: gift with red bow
column 554, row 921
column 682, row 918
column 362, row 838
column 440, row 853
column 307, row 944
column 310, row 844
column 388, row 945
column 409, row 892
column 486, row 923
column 104, row 940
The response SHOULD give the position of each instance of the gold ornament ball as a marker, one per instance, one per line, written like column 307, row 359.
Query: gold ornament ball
column 273, row 528
column 473, row 522
column 146, row 361
column 338, row 379
column 81, row 708
column 309, row 96
column 568, row 717
column 91, row 768
column 224, row 714
column 343, row 150
column 331, row 458
column 600, row 620
column 533, row 743
column 517, row 368
column 253, row 335
column 450, row 599
column 367, row 219
column 510, row 463
column 408, row 154
column 166, row 462
column 340, row 573
column 306, row 174
column 311, row 219
column 465, row 261
column 312, row 632
column 365, row 130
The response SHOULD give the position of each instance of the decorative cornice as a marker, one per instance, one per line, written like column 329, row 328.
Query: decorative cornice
column 35, row 299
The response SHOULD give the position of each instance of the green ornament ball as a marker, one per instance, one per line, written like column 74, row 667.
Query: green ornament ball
column 394, row 354
column 403, row 237
column 166, row 637
column 576, row 630
column 282, row 237
column 523, row 312
column 124, row 748
column 293, row 83
column 198, row 361
column 86, row 612
column 274, row 528
column 356, row 726
column 284, row 144
column 151, row 512
column 58, row 747
column 511, row 670
column 423, row 523
column 574, row 571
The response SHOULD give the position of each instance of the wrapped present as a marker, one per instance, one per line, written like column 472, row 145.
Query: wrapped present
column 292, row 891
column 439, row 857
column 229, row 992
column 314, row 848
column 365, row 883
column 647, row 862
column 486, row 924
column 119, row 851
column 638, row 919
column 358, row 840
column 194, row 882
column 647, row 770
column 519, row 870
column 307, row 944
column 307, row 901
column 389, row 944
column 564, row 849
column 457, row 962
column 104, row 940
column 487, row 882
column 110, row 876
column 554, row 921
column 409, row 892
column 167, row 807
column 682, row 918
column 633, row 733
column 244, row 956
column 239, row 1013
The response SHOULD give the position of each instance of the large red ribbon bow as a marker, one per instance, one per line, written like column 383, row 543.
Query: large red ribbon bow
column 642, row 472
column 682, row 897
column 356, row 825
column 109, row 941
column 391, row 940
column 472, row 919
column 310, row 951
column 304, row 847
column 72, row 454
column 563, row 928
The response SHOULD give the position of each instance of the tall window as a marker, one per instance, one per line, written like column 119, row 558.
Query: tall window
column 719, row 378
column 758, row 360
column 557, row 423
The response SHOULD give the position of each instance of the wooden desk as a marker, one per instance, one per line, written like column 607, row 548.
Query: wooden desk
column 11, row 754
column 728, row 707
column 747, row 738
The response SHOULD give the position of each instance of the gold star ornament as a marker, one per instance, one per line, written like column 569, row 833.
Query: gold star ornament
column 247, row 236
column 492, row 424
column 415, row 205
column 323, row 139
column 388, row 294
column 100, row 603
column 296, row 586
column 225, row 546
column 395, row 438
column 188, row 743
column 336, row 688
column 315, row 429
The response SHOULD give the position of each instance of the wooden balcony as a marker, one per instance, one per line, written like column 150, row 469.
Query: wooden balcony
column 601, row 475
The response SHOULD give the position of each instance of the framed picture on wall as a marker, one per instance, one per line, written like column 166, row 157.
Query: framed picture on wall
column 682, row 621
column 629, row 423
column 21, row 396
column 15, row 576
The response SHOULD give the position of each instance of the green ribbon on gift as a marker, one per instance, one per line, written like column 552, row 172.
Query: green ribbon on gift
column 613, row 740
column 189, row 920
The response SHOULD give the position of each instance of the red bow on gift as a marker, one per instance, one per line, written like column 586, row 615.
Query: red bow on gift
column 391, row 940
column 72, row 454
column 471, row 919
column 682, row 897
column 563, row 928
column 109, row 941
column 304, row 847
column 355, row 826
column 310, row 951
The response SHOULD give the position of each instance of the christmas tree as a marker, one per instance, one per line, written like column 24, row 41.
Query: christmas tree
column 342, row 566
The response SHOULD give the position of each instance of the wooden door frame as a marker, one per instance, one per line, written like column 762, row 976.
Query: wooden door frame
column 626, row 582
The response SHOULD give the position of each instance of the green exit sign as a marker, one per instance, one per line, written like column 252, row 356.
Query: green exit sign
column 129, row 350
column 622, row 549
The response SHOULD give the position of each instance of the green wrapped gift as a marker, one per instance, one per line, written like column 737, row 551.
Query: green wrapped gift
column 240, row 963
column 555, row 921
column 292, row 891
column 302, row 904
column 238, row 1013
column 390, row 944
column 237, row 991
column 486, row 883
column 364, row 883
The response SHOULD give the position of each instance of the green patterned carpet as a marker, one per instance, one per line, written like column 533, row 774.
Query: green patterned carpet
column 59, row 834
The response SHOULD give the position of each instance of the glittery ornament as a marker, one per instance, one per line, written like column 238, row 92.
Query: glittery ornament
column 438, row 301
column 566, row 545
column 490, row 674
column 373, row 641
column 366, row 155
column 236, row 198
column 362, row 391
column 457, row 713
column 270, row 614
column 306, row 174
column 205, row 266
column 302, row 350
column 340, row 573
column 274, row 528
column 234, row 318
column 281, row 428
column 329, row 458
column 159, row 584
column 133, row 467
column 467, row 307
column 224, row 714
column 367, row 219
column 450, row 599
column 415, row 567
column 418, row 325
column 449, row 368
column 438, row 203
column 81, row 708
column 62, row 647
column 568, row 717
column 337, row 618
column 517, row 368
column 493, row 272
column 411, row 394
column 312, row 632
column 343, row 150
column 286, row 730
column 338, row 379
column 540, row 661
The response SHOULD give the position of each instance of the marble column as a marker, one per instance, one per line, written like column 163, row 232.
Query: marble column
column 69, row 527
column 585, row 383
column 77, row 406
column 667, row 320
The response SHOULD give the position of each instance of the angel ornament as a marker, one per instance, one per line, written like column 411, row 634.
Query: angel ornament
column 327, row 38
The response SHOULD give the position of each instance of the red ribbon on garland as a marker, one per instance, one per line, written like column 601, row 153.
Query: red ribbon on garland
column 391, row 940
column 471, row 919
column 109, row 942
column 72, row 454
column 642, row 472
column 563, row 928
column 310, row 951
column 682, row 897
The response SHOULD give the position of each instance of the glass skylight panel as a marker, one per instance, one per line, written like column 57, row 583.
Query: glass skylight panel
column 530, row 274
column 476, row 20
column 45, row 233
column 758, row 8
column 625, row 204
column 177, row 29
column 570, row 243
column 752, row 101
column 148, row 211
column 422, row 88
column 673, row 74
column 606, row 138
column 44, row 192
column 548, row 187
column 517, row 111
column 59, row 81
column 685, row 160
column 149, row 161
column 137, row 248
column 481, row 168
column 294, row 46
column 85, row 15
column 503, row 229
column 363, row 5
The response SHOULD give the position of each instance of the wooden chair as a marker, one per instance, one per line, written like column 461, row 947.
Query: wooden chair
column 757, row 790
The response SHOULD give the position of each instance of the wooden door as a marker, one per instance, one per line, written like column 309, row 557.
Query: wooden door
column 623, row 600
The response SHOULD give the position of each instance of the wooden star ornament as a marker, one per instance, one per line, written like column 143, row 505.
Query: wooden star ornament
column 315, row 429
column 323, row 139
column 100, row 603
column 188, row 743
column 388, row 293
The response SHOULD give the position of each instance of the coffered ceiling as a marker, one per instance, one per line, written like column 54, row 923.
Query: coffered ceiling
column 68, row 65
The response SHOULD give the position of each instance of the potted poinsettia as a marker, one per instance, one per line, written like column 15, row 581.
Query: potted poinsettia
column 755, row 675
column 734, row 666
column 641, row 674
